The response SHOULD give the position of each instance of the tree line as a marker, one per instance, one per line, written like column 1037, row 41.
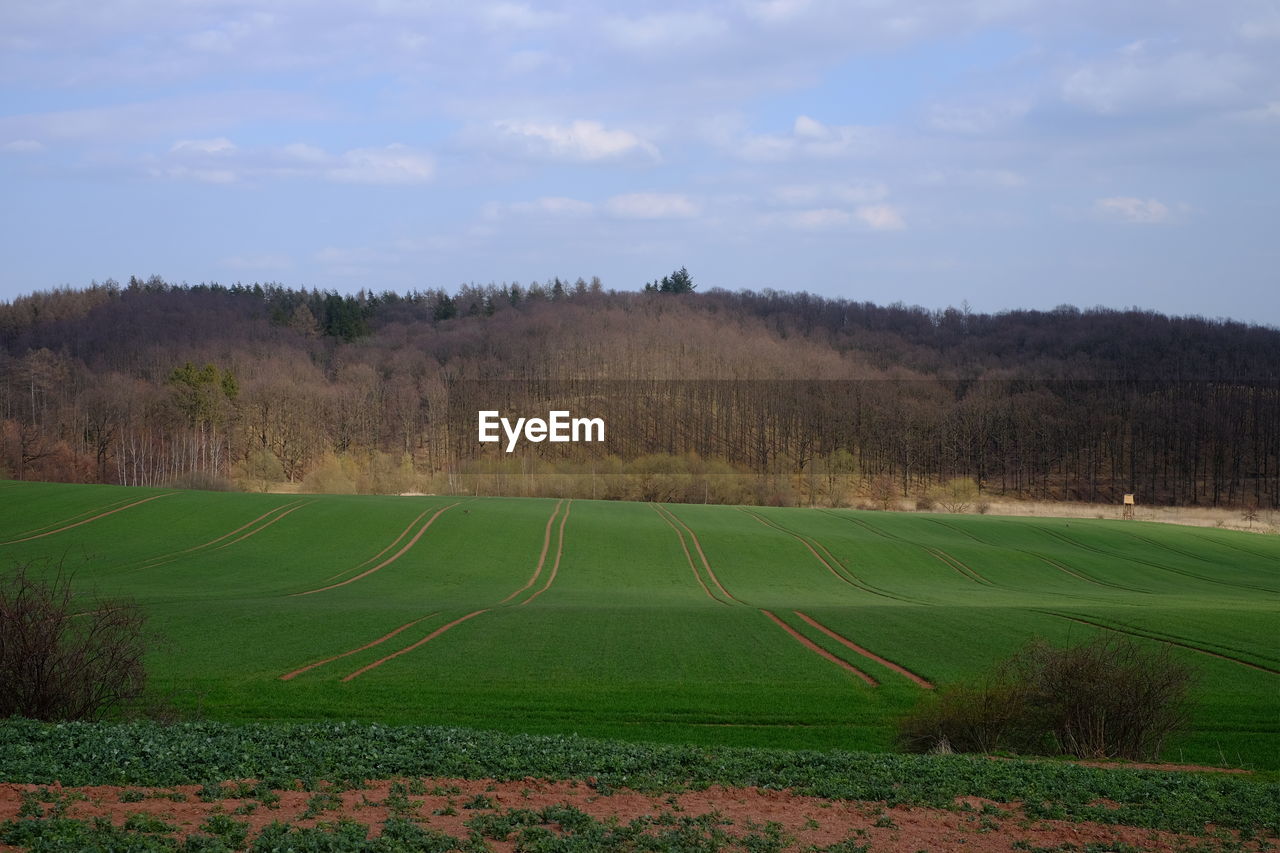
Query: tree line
column 742, row 396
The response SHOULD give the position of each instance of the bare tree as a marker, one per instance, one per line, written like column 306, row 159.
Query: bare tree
column 62, row 657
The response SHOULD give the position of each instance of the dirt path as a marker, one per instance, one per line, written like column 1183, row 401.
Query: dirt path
column 693, row 537
column 436, row 633
column 870, row 655
column 377, row 642
column 542, row 558
column 1157, row 638
column 387, row 561
column 555, row 566
column 447, row 805
column 87, row 520
column 819, row 650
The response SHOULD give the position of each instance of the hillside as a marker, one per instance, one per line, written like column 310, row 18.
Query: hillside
column 765, row 398
column 781, row 627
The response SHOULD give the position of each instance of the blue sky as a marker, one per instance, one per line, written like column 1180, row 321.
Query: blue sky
column 1007, row 153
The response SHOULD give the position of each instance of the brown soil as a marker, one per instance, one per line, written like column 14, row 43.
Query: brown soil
column 974, row 824
column 819, row 650
column 555, row 567
column 542, row 558
column 258, row 530
column 389, row 560
column 703, row 557
column 394, row 543
column 436, row 633
column 92, row 518
column 901, row 670
column 688, row 557
column 377, row 642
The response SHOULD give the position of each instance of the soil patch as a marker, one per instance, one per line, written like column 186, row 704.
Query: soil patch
column 449, row 805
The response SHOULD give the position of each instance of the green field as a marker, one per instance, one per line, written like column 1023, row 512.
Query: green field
column 679, row 623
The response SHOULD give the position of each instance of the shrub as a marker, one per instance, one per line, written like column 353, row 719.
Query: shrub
column 61, row 659
column 1108, row 698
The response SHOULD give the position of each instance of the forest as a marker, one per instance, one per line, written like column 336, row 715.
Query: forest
column 709, row 395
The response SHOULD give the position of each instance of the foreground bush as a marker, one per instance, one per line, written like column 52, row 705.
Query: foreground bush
column 1109, row 698
column 60, row 660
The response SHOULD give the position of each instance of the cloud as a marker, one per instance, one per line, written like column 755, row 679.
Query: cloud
column 881, row 217
column 579, row 141
column 221, row 145
column 518, row 16
column 652, row 206
column 221, row 161
column 875, row 217
column 845, row 193
column 972, row 118
column 1138, row 211
column 1141, row 79
column 808, row 138
column 557, row 206
column 666, row 31
column 392, row 164
column 22, row 146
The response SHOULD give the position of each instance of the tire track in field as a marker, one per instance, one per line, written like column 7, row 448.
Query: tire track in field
column 263, row 527
column 93, row 518
column 393, row 544
column 1117, row 556
column 847, row 576
column 1157, row 544
column 676, row 523
column 71, row 518
column 962, row 532
column 1233, row 546
column 542, row 558
column 397, row 555
column 436, row 633
column 165, row 559
column 555, row 566
column 1133, row 632
column 819, row 650
column 870, row 655
column 964, row 569
column 291, row 675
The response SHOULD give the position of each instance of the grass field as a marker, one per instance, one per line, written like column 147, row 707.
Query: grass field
column 702, row 624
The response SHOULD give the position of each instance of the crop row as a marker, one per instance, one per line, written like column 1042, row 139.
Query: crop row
column 280, row 754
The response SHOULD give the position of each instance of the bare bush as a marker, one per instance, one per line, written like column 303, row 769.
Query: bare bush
column 64, row 659
column 1112, row 697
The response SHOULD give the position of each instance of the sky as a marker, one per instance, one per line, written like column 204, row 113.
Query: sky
column 997, row 153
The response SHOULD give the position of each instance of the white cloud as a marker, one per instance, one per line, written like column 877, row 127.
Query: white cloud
column 518, row 16
column 666, row 31
column 391, row 164
column 876, row 217
column 808, row 138
column 977, row 117
column 557, row 206
column 1139, row 211
column 652, row 206
column 222, row 161
column 1140, row 79
column 847, row 193
column 221, row 145
column 881, row 217
column 578, row 141
column 22, row 146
